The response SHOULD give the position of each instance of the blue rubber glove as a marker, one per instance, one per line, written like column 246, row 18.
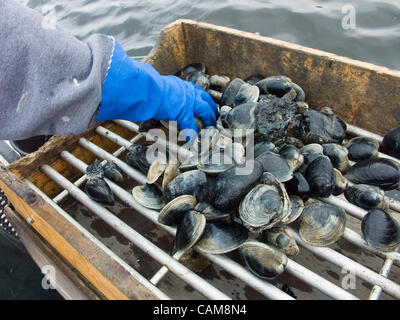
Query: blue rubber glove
column 135, row 91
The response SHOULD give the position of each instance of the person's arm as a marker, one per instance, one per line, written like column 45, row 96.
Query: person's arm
column 52, row 83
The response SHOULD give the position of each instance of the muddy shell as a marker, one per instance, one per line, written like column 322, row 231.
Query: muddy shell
column 276, row 165
column 98, row 190
column 292, row 156
column 246, row 93
column 210, row 212
column 338, row 155
column 199, row 78
column 193, row 182
column 230, row 92
column 113, row 172
column 282, row 238
column 366, row 197
column 136, row 157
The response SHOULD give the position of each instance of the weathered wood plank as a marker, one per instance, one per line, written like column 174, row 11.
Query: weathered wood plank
column 104, row 273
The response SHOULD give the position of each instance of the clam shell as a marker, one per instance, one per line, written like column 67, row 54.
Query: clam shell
column 136, row 157
column 192, row 182
column 246, row 93
column 156, row 169
column 193, row 67
column 263, row 260
column 98, row 190
column 341, row 183
column 199, row 78
column 292, row 155
column 366, row 197
column 230, row 92
column 216, row 163
column 380, row 172
column 219, row 82
column 338, row 155
column 210, row 212
column 174, row 210
column 170, row 173
column 321, row 177
column 149, row 196
column 360, row 148
column 380, row 230
column 297, row 205
column 318, row 127
column 221, row 237
column 322, row 224
column 391, row 142
column 283, row 239
column 263, row 146
column 300, row 94
column 189, row 231
column 276, row 165
column 253, row 79
column 241, row 120
column 265, row 206
column 113, row 172
column 190, row 163
column 229, row 187
column 299, row 186
column 276, row 85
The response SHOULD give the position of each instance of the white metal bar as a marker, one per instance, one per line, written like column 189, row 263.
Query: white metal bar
column 148, row 247
column 377, row 290
column 318, row 282
column 164, row 270
column 363, row 272
column 133, row 173
column 229, row 265
column 143, row 281
column 364, row 133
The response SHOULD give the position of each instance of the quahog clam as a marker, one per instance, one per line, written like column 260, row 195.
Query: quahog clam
column 263, row 260
column 276, row 165
column 136, row 157
column 229, row 94
column 322, row 224
column 380, row 172
column 283, row 239
column 292, row 156
column 149, row 196
column 193, row 182
column 113, row 172
column 189, row 231
column 172, row 213
column 321, row 177
column 366, row 196
column 221, row 237
column 338, row 155
column 361, row 148
column 391, row 142
column 380, row 230
column 210, row 212
column 341, row 183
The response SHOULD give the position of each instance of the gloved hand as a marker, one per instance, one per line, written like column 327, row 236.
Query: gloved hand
column 136, row 91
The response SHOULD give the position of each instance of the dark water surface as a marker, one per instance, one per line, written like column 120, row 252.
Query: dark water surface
column 317, row 24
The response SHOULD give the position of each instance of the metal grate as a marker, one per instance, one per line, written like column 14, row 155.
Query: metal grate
column 379, row 281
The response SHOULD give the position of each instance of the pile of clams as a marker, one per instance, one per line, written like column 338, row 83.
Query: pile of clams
column 265, row 173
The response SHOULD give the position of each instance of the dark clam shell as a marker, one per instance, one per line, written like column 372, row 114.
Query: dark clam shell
column 113, row 172
column 253, row 79
column 242, row 117
column 220, row 237
column 173, row 211
column 246, row 93
column 229, row 187
column 276, row 165
column 136, row 157
column 228, row 97
column 361, row 148
column 193, row 182
column 299, row 186
column 380, row 230
column 341, row 183
column 189, row 231
column 276, row 85
column 391, row 142
column 263, row 260
column 219, row 82
column 292, row 155
column 215, row 163
column 338, row 155
column 199, row 78
column 98, row 190
column 210, row 212
column 149, row 196
column 263, row 146
column 319, row 127
column 321, row 177
column 310, row 152
column 366, row 197
column 192, row 68
column 380, row 172
column 282, row 238
column 300, row 94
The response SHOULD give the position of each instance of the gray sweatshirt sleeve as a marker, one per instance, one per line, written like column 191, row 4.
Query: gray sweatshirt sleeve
column 50, row 82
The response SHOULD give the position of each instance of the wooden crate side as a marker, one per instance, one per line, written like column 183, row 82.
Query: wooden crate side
column 104, row 273
column 360, row 93
column 29, row 166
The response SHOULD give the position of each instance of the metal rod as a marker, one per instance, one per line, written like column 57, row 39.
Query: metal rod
column 143, row 281
column 377, row 290
column 134, row 174
column 136, row 238
column 342, row 261
column 229, row 265
column 364, row 133
column 164, row 270
column 318, row 282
